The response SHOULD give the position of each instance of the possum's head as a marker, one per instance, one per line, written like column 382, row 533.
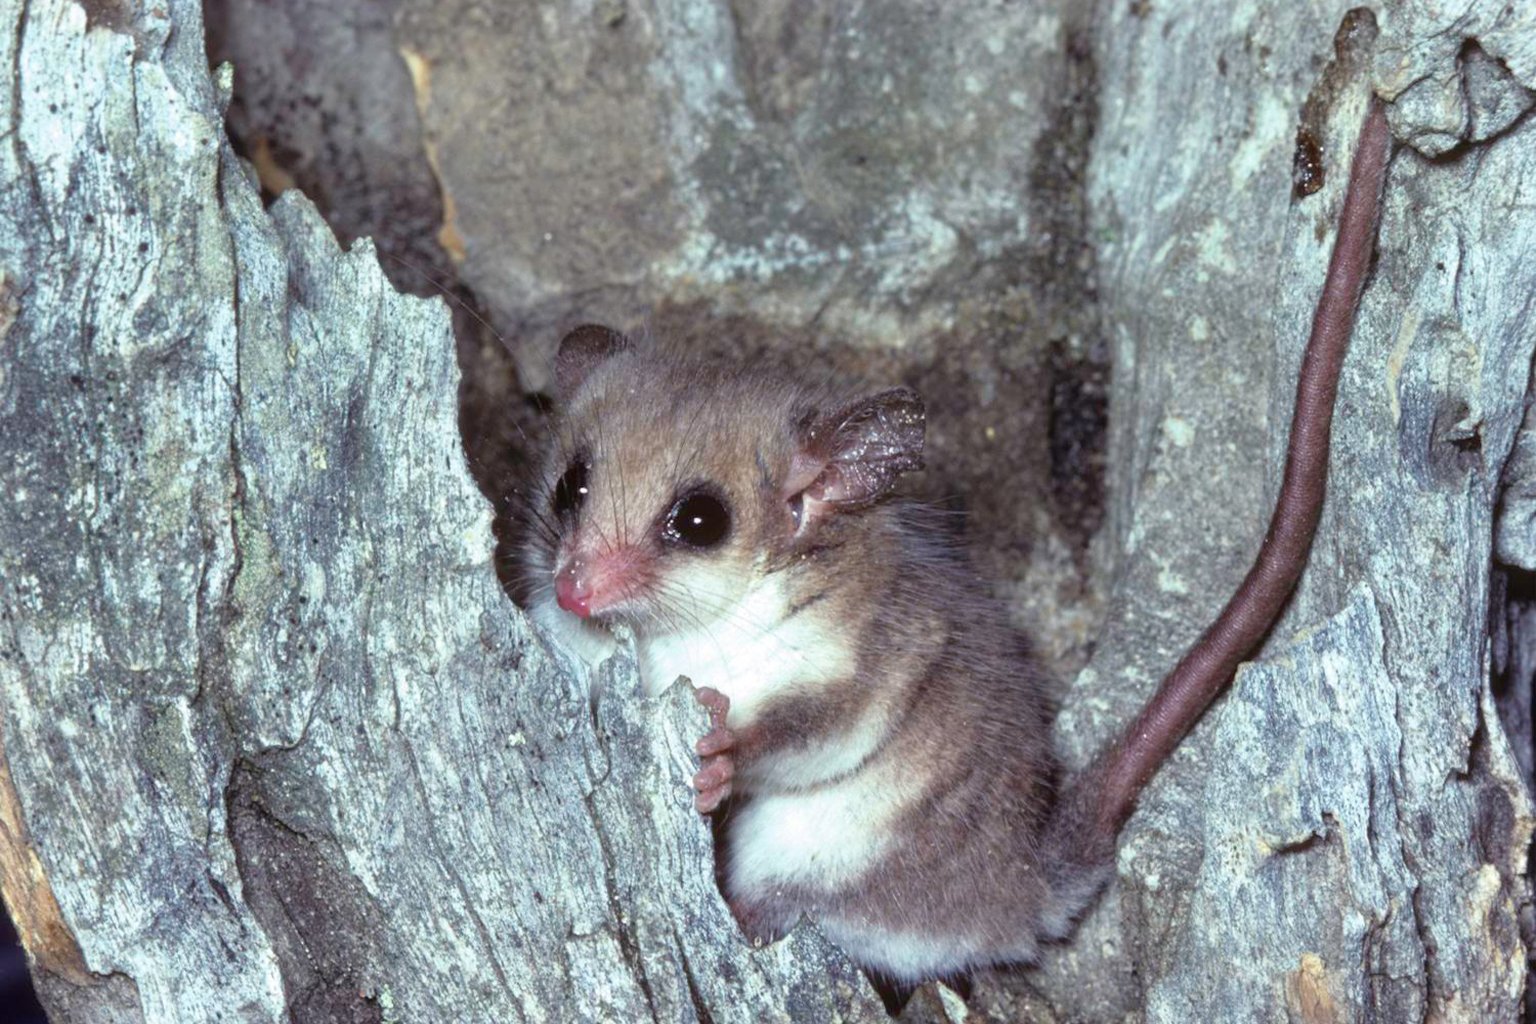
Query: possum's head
column 674, row 484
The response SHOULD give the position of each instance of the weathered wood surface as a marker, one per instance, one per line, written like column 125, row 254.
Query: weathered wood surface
column 278, row 748
column 1345, row 837
column 281, row 746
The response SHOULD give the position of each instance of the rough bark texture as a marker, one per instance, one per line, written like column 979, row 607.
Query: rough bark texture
column 1346, row 835
column 273, row 744
column 278, row 743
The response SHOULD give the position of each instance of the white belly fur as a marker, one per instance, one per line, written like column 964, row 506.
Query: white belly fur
column 748, row 652
column 915, row 956
column 824, row 838
column 827, row 839
column 826, row 835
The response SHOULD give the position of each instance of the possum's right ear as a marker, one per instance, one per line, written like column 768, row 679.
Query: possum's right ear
column 581, row 350
column 850, row 459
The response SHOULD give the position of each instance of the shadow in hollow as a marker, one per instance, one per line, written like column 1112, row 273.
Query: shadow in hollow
column 18, row 1004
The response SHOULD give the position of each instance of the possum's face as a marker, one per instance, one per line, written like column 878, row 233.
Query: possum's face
column 675, row 486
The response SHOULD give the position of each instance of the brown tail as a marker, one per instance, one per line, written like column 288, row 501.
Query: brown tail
column 1097, row 803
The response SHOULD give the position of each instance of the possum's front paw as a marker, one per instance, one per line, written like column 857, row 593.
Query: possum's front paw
column 716, row 768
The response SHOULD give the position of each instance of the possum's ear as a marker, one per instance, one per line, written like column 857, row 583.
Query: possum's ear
column 581, row 350
column 850, row 459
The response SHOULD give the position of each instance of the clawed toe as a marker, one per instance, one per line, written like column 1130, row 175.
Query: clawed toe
column 715, row 702
column 713, row 783
column 715, row 741
column 708, row 802
column 716, row 769
column 714, row 773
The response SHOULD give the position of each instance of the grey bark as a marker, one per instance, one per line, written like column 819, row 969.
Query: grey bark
column 1304, row 832
column 278, row 747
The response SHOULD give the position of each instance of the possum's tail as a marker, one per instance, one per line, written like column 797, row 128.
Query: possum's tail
column 1096, row 803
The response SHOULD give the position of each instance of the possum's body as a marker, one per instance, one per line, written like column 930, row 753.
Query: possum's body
column 893, row 764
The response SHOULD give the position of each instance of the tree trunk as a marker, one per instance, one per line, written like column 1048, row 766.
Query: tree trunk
column 274, row 744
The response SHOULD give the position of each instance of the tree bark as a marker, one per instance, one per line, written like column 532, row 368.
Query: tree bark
column 278, row 745
column 275, row 746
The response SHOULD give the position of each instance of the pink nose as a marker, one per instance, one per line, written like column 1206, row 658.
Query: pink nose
column 589, row 583
column 572, row 595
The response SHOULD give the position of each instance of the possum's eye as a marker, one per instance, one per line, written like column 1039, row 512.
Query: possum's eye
column 698, row 519
column 797, row 509
column 571, row 490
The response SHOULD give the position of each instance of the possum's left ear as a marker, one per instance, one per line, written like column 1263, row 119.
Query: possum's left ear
column 850, row 459
column 581, row 350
